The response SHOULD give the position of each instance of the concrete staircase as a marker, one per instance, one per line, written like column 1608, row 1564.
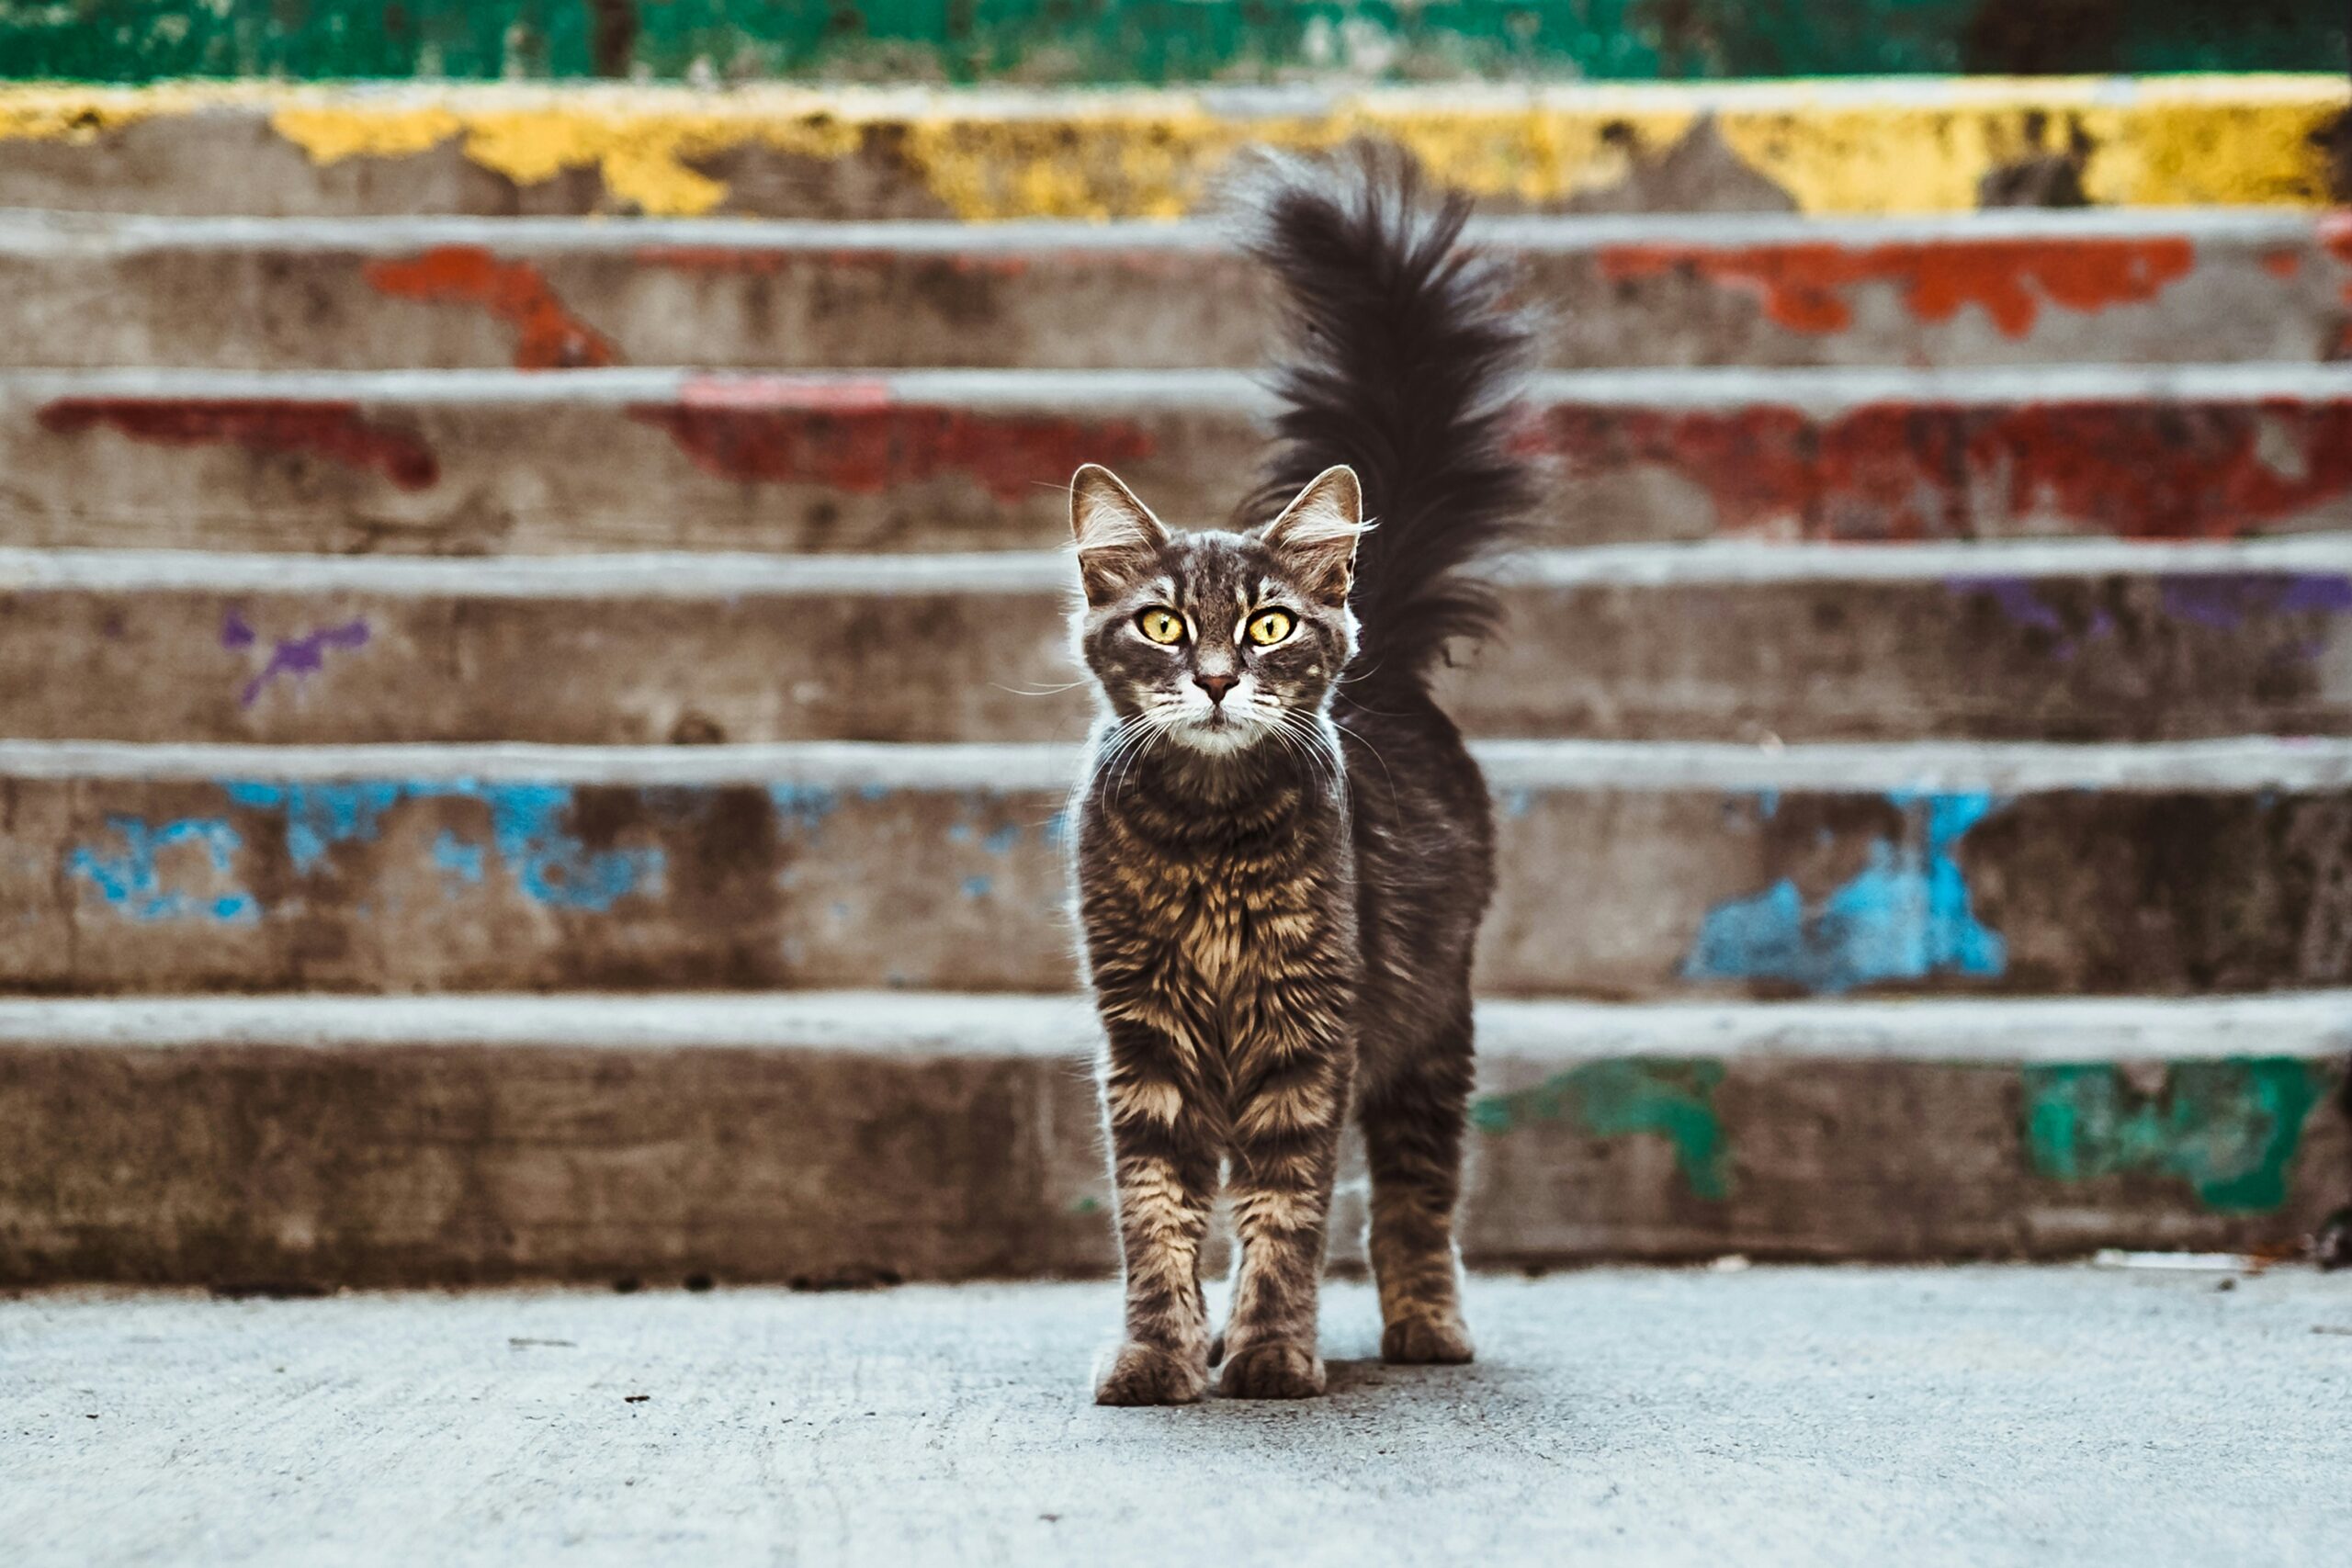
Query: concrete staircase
column 537, row 745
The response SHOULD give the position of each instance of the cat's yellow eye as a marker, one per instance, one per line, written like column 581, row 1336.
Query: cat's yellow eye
column 1161, row 625
column 1269, row 627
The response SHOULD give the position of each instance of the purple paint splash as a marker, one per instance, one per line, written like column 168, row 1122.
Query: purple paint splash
column 2018, row 603
column 291, row 656
column 2226, row 602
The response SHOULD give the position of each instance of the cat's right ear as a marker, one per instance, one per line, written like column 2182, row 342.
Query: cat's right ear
column 1118, row 540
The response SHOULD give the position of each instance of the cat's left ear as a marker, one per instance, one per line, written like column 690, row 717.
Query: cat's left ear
column 1315, row 538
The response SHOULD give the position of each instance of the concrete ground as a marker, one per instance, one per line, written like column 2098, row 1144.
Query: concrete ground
column 1978, row 1414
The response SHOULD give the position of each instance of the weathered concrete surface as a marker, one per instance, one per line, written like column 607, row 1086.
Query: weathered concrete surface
column 774, row 151
column 1742, row 641
column 1120, row 42
column 2212, row 287
column 478, row 462
column 1852, row 1416
column 1629, row 871
column 825, row 1138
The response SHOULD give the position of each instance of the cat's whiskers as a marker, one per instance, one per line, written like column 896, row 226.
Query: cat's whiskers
column 1317, row 742
column 1040, row 690
column 1358, row 737
column 1153, row 722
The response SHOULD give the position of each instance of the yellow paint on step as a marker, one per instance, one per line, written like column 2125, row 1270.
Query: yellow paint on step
column 1921, row 145
column 645, row 147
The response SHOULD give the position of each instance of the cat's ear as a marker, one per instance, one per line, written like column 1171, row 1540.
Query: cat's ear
column 1118, row 540
column 1315, row 538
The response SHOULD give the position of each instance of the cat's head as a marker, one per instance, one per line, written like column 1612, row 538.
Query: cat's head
column 1215, row 641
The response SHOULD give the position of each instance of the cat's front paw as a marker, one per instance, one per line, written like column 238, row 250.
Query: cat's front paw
column 1144, row 1374
column 1425, row 1342
column 1273, row 1369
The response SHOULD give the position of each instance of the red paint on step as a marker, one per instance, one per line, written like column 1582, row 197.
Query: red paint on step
column 2336, row 238
column 2283, row 263
column 1906, row 472
column 337, row 431
column 1804, row 286
column 714, row 258
column 547, row 336
column 851, row 436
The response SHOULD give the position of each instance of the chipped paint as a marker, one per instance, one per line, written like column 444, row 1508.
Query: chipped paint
column 1952, row 471
column 2226, row 602
column 1805, row 288
column 2019, row 601
column 1630, row 1096
column 547, row 336
column 2229, row 1129
column 665, row 151
column 1907, row 915
column 852, row 436
column 133, row 879
column 1121, row 41
column 289, row 656
column 2336, row 238
column 464, row 861
column 545, row 860
column 336, row 431
column 804, row 807
column 644, row 146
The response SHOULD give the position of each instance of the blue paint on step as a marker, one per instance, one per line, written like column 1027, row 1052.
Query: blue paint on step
column 529, row 831
column 462, row 859
column 132, row 880
column 1906, row 916
column 804, row 807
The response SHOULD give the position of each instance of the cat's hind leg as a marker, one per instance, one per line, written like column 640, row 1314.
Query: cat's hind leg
column 1413, row 1128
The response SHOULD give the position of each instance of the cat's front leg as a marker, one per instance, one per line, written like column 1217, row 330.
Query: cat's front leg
column 1163, row 1172
column 1290, row 1094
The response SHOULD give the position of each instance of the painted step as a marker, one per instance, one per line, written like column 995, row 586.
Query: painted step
column 1116, row 42
column 471, row 462
column 1934, row 145
column 1628, row 871
column 2080, row 640
column 2212, row 285
column 312, row 1142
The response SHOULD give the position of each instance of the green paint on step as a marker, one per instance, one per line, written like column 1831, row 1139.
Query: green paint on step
column 1045, row 41
column 2229, row 1129
column 1672, row 1097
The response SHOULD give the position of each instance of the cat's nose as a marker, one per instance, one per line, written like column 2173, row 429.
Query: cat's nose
column 1216, row 686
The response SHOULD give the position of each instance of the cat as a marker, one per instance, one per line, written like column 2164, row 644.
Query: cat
column 1284, row 849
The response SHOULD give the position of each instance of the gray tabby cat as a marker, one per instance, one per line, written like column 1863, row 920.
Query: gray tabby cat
column 1283, row 848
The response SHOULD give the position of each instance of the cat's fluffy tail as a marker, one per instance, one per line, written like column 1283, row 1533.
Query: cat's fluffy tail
column 1404, row 364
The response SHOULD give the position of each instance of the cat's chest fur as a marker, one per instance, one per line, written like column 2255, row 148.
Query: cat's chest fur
column 1235, row 916
column 1218, row 904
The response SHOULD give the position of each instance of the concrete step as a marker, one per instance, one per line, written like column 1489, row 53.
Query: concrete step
column 271, row 149
column 829, row 1138
column 1121, row 41
column 1628, row 871
column 468, row 462
column 1629, row 1417
column 2212, row 285
column 2074, row 640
